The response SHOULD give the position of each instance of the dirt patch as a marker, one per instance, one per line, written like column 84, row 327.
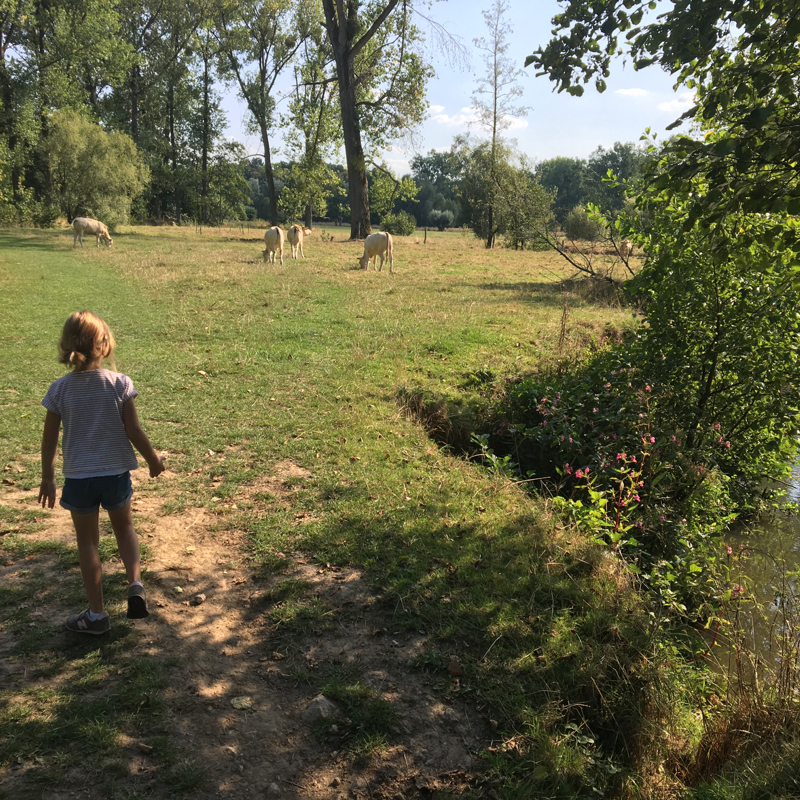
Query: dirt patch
column 242, row 699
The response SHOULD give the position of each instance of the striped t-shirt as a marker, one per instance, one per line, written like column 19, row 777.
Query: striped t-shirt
column 90, row 406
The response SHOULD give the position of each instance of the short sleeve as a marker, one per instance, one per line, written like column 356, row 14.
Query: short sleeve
column 52, row 400
column 127, row 390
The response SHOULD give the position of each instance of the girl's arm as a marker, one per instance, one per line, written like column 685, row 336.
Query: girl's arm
column 47, row 488
column 138, row 438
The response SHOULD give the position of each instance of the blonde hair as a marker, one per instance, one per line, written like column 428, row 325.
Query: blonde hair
column 85, row 338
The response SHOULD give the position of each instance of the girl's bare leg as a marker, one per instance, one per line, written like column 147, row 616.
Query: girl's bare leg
column 87, row 531
column 127, row 541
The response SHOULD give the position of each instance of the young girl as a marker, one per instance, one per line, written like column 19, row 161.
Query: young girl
column 100, row 423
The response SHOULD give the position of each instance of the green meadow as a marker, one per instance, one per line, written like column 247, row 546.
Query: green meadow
column 366, row 380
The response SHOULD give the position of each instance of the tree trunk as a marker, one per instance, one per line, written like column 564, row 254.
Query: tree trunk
column 360, row 226
column 273, row 197
column 176, row 189
column 308, row 216
column 205, row 136
column 134, row 85
column 342, row 25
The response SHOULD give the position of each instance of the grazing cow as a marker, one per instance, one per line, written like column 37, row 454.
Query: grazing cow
column 295, row 236
column 83, row 225
column 625, row 248
column 273, row 240
column 377, row 244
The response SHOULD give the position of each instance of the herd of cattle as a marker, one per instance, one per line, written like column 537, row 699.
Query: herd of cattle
column 375, row 245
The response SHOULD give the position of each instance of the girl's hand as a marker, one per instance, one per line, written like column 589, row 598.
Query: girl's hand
column 157, row 467
column 47, row 493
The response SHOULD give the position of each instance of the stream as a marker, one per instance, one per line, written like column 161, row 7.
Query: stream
column 768, row 622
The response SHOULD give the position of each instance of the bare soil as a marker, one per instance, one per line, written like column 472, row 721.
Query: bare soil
column 242, row 698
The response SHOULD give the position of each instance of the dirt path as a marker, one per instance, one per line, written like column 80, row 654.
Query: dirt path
column 244, row 697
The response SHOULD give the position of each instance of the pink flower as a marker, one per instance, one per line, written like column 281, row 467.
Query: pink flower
column 730, row 551
column 716, row 426
column 674, row 439
column 728, row 445
column 586, row 472
column 568, row 469
column 647, row 388
column 620, row 456
column 595, row 410
column 663, row 517
column 633, row 458
column 578, row 473
column 652, row 440
column 636, row 498
column 613, row 435
column 607, row 386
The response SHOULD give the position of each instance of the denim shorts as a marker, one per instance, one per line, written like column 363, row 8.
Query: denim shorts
column 86, row 495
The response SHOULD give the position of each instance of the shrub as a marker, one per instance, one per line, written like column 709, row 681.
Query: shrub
column 579, row 225
column 399, row 224
column 442, row 218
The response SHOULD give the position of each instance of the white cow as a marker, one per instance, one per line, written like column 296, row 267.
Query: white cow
column 377, row 244
column 625, row 248
column 295, row 236
column 83, row 225
column 273, row 240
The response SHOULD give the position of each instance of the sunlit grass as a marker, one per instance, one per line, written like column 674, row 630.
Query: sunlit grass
column 242, row 366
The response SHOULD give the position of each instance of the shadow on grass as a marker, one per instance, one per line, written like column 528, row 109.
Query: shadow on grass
column 542, row 633
column 27, row 240
column 594, row 291
column 544, row 630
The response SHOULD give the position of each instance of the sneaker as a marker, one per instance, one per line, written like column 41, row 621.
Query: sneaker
column 137, row 603
column 80, row 623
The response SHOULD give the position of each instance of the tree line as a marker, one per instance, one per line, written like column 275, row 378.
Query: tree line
column 149, row 77
column 113, row 109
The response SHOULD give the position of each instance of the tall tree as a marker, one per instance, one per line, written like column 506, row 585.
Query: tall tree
column 623, row 161
column 52, row 55
column 500, row 194
column 258, row 40
column 209, row 122
column 494, row 99
column 94, row 172
column 381, row 82
column 314, row 131
column 566, row 178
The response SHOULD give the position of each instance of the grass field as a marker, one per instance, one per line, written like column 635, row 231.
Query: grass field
column 241, row 365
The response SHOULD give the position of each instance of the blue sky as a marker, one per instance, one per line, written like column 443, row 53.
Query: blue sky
column 556, row 125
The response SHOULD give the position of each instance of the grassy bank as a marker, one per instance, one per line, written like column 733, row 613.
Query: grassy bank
column 241, row 365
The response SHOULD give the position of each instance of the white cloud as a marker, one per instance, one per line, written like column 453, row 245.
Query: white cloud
column 468, row 117
column 632, row 92
column 465, row 118
column 683, row 102
column 515, row 122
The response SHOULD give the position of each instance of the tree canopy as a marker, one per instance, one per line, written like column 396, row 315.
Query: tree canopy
column 741, row 57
